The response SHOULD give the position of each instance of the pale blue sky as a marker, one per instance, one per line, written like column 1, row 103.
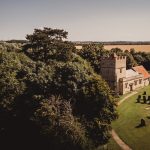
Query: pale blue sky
column 94, row 20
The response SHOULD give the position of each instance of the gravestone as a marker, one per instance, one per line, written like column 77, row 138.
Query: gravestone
column 143, row 123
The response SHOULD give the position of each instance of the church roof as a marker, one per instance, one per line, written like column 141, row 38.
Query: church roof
column 142, row 70
column 131, row 73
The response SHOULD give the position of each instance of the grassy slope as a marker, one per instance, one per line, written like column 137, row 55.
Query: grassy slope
column 112, row 145
column 130, row 114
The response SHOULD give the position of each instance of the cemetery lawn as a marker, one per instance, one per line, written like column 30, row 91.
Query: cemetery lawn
column 130, row 114
column 112, row 145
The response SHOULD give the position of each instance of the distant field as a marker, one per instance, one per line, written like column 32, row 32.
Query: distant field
column 143, row 48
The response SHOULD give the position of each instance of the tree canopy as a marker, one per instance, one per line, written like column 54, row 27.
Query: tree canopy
column 92, row 54
column 52, row 95
column 47, row 44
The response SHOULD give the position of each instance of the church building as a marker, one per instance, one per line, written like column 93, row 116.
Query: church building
column 121, row 80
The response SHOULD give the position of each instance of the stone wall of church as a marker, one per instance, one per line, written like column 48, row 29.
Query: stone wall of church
column 112, row 69
column 120, row 68
column 108, row 71
column 146, row 82
column 130, row 84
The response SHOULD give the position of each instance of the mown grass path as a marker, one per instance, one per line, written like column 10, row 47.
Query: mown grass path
column 131, row 94
column 117, row 139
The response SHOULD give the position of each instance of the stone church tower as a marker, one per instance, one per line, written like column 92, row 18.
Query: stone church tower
column 112, row 69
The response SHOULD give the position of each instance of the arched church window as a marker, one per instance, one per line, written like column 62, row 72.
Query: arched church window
column 120, row 70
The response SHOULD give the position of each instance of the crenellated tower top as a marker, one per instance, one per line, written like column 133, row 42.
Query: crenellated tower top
column 113, row 56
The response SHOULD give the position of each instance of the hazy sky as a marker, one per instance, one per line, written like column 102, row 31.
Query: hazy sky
column 96, row 20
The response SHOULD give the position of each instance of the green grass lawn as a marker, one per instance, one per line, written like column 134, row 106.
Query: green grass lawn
column 123, row 96
column 130, row 114
column 112, row 145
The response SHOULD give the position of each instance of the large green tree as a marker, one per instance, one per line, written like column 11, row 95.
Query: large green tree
column 142, row 58
column 92, row 53
column 61, row 103
column 131, row 62
column 47, row 44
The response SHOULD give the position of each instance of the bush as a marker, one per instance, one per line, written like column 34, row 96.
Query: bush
column 144, row 99
column 138, row 98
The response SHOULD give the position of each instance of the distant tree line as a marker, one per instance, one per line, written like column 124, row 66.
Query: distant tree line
column 93, row 52
column 113, row 42
column 10, row 47
column 134, row 58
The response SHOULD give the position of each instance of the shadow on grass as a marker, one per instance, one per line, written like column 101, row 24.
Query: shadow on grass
column 141, row 103
column 140, row 126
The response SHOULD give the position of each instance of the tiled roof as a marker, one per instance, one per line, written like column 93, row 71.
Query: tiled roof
column 131, row 73
column 142, row 70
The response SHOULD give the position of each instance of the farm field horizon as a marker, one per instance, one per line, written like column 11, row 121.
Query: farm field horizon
column 142, row 48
